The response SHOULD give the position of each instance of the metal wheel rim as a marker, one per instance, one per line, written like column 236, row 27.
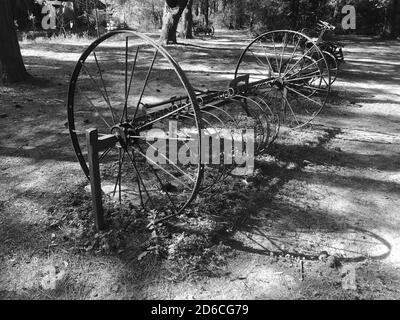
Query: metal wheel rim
column 179, row 73
column 323, row 67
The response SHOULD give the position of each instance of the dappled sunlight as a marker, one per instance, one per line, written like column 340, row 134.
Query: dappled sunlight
column 50, row 55
column 331, row 187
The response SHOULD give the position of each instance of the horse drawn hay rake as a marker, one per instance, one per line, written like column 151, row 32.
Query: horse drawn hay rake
column 147, row 131
column 332, row 50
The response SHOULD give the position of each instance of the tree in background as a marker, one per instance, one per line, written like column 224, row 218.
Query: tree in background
column 395, row 19
column 141, row 15
column 173, row 10
column 205, row 10
column 12, row 68
column 187, row 21
column 374, row 17
column 294, row 14
column 391, row 28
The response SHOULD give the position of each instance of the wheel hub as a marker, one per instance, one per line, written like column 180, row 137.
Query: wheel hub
column 125, row 133
column 278, row 83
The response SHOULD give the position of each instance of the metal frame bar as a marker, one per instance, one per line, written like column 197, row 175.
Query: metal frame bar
column 96, row 145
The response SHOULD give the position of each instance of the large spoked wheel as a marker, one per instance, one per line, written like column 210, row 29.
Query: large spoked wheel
column 127, row 85
column 289, row 72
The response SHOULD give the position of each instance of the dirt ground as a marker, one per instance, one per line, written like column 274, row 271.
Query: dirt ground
column 319, row 219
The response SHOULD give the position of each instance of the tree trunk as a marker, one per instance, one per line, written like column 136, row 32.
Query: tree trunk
column 395, row 17
column 187, row 21
column 391, row 28
column 239, row 14
column 197, row 8
column 205, row 10
column 12, row 67
column 294, row 14
column 172, row 14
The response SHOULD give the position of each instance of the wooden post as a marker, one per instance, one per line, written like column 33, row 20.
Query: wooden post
column 95, row 182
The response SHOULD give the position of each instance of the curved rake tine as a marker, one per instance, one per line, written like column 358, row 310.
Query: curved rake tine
column 172, row 164
column 267, row 108
column 161, row 168
column 140, row 181
column 164, row 116
column 161, row 184
column 258, row 119
column 217, row 131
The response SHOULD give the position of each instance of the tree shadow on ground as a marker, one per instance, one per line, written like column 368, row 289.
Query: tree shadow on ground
column 274, row 227
column 264, row 224
column 274, row 220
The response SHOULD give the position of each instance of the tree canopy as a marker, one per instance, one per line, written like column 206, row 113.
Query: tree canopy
column 374, row 17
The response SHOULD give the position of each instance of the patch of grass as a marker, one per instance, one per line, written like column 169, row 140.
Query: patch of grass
column 73, row 220
column 32, row 37
column 191, row 256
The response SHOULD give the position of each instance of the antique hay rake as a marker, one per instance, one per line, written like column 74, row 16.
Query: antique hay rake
column 332, row 50
column 129, row 100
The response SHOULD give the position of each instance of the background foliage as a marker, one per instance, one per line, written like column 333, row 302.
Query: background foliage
column 373, row 16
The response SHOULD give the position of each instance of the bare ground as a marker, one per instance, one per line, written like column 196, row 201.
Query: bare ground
column 319, row 220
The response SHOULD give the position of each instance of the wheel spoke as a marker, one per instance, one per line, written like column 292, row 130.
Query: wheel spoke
column 266, row 56
column 261, row 63
column 105, row 153
column 298, row 61
column 126, row 75
column 256, row 70
column 276, row 56
column 140, row 180
column 306, row 67
column 93, row 106
column 306, row 77
column 283, row 51
column 181, row 138
column 129, row 87
column 105, row 94
column 145, row 84
column 291, row 109
column 293, row 53
column 305, row 97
